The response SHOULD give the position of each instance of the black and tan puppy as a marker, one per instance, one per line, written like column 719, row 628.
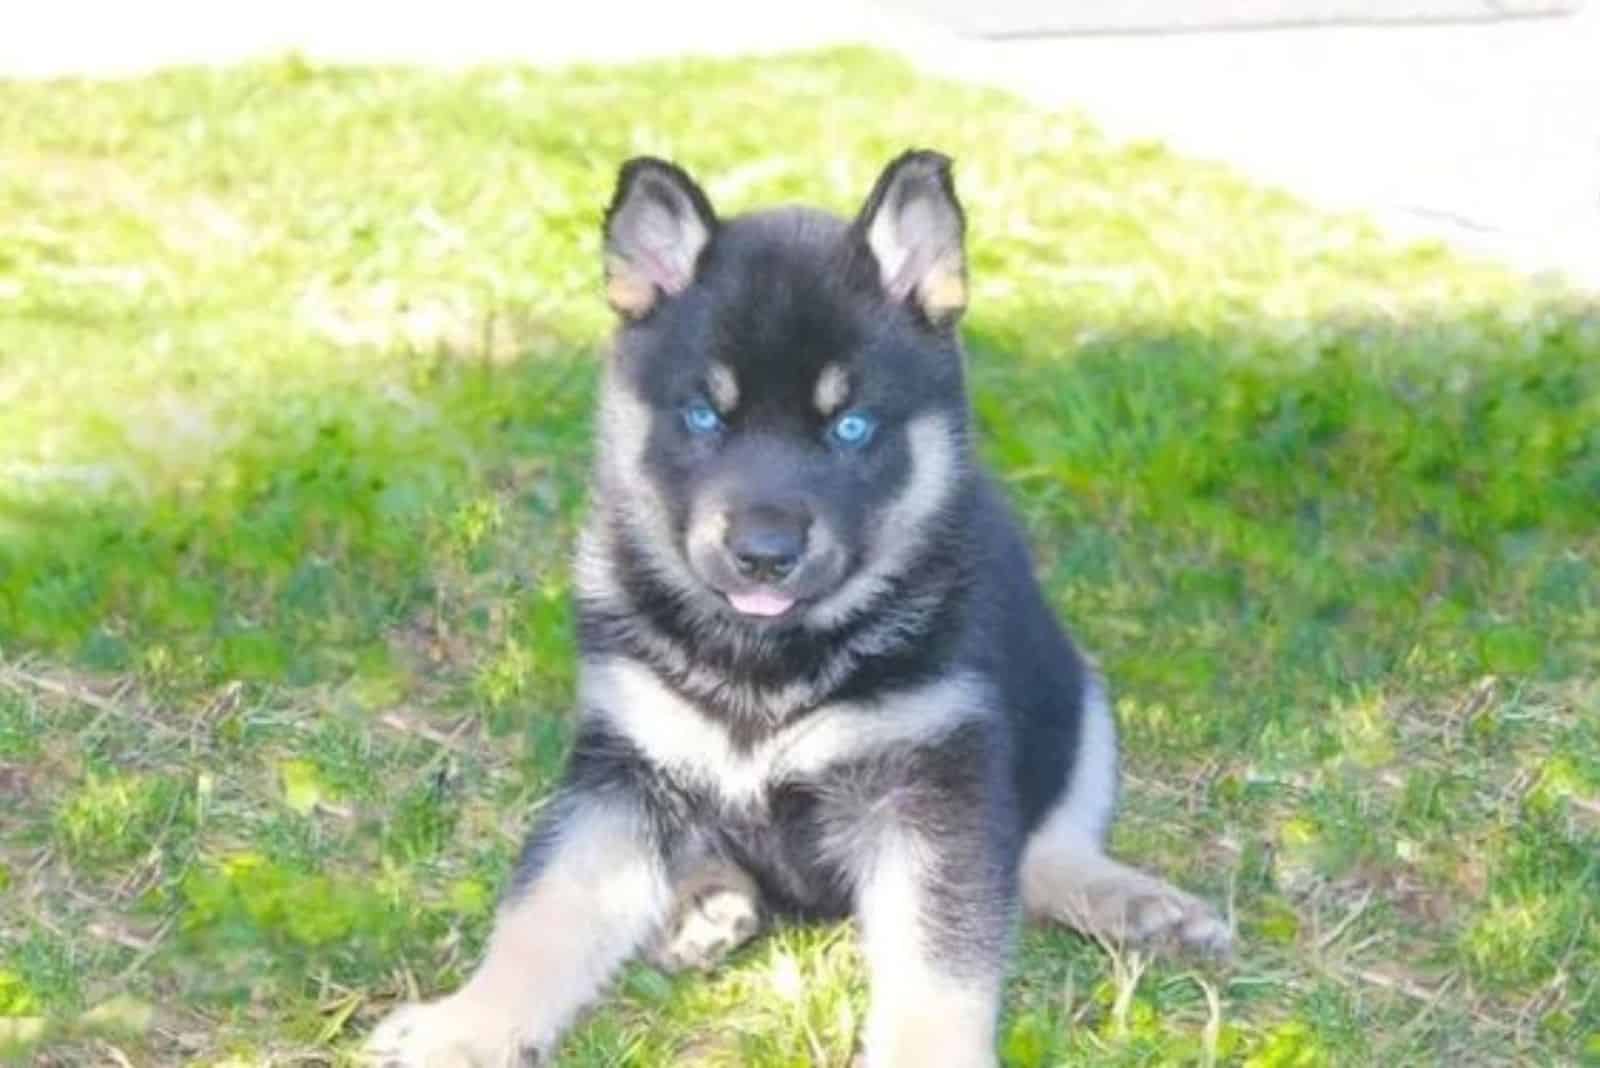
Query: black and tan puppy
column 819, row 678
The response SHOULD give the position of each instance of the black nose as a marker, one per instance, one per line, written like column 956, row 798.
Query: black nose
column 766, row 542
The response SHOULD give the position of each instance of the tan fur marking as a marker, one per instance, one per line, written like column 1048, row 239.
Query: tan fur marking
column 717, row 909
column 724, row 387
column 1067, row 876
column 624, row 436
column 1067, row 880
column 918, row 1016
column 628, row 292
column 934, row 470
column 551, row 951
column 943, row 292
column 918, row 249
column 558, row 941
column 651, row 248
column 833, row 389
column 930, row 1024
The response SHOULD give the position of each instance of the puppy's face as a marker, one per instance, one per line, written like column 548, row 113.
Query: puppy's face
column 788, row 386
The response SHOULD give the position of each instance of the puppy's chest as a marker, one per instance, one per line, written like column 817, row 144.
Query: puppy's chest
column 740, row 779
column 826, row 750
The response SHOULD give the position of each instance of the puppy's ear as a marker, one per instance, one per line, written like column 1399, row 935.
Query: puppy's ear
column 915, row 229
column 658, row 224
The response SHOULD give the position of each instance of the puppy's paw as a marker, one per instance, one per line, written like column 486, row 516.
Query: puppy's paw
column 710, row 925
column 1148, row 912
column 452, row 1032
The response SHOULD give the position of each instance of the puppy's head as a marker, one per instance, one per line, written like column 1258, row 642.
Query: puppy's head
column 786, row 396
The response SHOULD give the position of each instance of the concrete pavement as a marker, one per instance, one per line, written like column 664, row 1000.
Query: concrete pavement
column 1484, row 134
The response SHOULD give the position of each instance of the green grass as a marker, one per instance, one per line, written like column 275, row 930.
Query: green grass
column 295, row 373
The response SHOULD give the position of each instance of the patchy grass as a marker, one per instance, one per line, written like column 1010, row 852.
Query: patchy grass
column 295, row 368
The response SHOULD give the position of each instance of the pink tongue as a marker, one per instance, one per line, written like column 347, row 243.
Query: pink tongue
column 761, row 603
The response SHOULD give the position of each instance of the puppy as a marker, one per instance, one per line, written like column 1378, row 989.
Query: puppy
column 819, row 678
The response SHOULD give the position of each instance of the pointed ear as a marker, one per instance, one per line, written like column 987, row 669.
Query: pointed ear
column 915, row 229
column 658, row 224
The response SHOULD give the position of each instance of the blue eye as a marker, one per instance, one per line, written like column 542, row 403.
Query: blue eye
column 852, row 430
column 701, row 418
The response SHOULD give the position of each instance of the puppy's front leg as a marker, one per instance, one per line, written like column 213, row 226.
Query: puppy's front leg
column 937, row 902
column 591, row 887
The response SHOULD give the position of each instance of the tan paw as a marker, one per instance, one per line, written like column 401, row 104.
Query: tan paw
column 707, row 928
column 449, row 1033
column 1148, row 912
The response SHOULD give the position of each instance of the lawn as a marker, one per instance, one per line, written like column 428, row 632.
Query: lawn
column 295, row 374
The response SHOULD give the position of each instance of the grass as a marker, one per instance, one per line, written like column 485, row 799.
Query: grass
column 295, row 373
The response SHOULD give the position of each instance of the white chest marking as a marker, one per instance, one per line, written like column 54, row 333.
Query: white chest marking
column 673, row 734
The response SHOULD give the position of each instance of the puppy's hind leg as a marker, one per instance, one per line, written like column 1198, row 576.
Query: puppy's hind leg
column 1067, row 877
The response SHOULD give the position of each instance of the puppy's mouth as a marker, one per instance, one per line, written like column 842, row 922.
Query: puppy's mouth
column 761, row 603
column 774, row 596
